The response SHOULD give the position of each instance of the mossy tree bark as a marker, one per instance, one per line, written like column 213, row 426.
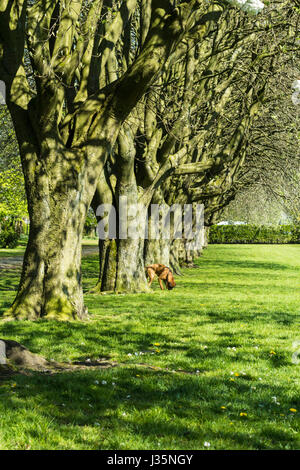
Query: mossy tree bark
column 50, row 283
column 121, row 258
column 157, row 246
column 130, row 275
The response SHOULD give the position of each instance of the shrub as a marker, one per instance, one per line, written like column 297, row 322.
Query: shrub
column 9, row 238
column 90, row 224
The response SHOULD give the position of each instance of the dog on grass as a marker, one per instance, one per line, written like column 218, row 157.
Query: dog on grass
column 163, row 273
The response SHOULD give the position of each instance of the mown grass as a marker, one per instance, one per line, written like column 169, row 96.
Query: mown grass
column 20, row 249
column 210, row 361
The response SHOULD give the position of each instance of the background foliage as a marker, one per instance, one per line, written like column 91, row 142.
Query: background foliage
column 254, row 234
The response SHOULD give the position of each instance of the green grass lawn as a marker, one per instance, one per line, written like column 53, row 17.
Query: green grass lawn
column 20, row 249
column 210, row 362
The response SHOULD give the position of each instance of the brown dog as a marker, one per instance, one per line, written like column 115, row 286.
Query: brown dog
column 163, row 273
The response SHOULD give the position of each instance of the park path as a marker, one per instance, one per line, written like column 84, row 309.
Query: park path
column 13, row 262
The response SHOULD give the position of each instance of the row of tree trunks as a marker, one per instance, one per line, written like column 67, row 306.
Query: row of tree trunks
column 122, row 262
column 65, row 140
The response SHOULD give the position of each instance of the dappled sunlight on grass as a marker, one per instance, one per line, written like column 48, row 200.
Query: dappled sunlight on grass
column 210, row 361
column 141, row 409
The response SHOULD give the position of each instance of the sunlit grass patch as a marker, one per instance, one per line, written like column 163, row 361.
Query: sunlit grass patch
column 208, row 365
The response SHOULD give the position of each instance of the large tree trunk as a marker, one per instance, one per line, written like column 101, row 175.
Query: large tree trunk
column 157, row 251
column 130, row 268
column 121, row 260
column 50, row 284
column 160, row 230
column 175, row 257
column 121, row 265
column 51, row 278
column 130, row 273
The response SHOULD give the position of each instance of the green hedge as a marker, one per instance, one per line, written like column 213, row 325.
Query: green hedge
column 9, row 236
column 254, row 234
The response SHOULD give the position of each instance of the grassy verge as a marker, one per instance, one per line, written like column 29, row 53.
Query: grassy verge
column 210, row 362
column 11, row 252
column 20, row 249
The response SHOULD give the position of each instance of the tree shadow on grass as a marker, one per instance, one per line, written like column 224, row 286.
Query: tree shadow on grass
column 9, row 280
column 255, row 265
column 175, row 410
column 263, row 316
column 78, row 339
column 178, row 411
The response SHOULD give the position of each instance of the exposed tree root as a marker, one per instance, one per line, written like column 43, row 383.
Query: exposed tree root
column 19, row 360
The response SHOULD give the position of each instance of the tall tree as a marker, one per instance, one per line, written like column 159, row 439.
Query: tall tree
column 55, row 58
column 165, row 135
column 53, row 55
